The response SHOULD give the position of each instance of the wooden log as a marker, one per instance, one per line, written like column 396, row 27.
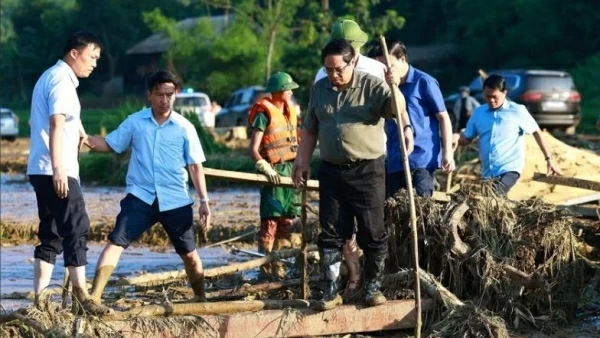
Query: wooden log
column 344, row 319
column 587, row 212
column 179, row 309
column 567, row 181
column 163, row 277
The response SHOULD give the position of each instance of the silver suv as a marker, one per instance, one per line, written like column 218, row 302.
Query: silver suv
column 9, row 124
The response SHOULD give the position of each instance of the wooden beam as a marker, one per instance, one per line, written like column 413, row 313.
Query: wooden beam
column 393, row 315
column 567, row 181
column 580, row 200
column 312, row 185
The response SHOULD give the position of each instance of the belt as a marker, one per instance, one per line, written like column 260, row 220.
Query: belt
column 348, row 165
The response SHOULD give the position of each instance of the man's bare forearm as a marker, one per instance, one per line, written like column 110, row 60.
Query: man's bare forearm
column 57, row 123
column 445, row 131
column 98, row 143
column 307, row 145
column 540, row 142
column 198, row 179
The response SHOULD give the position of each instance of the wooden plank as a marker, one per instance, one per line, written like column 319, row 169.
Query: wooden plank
column 312, row 185
column 580, row 200
column 393, row 315
column 568, row 181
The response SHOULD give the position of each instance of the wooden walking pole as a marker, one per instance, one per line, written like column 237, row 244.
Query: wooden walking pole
column 411, row 197
column 305, row 292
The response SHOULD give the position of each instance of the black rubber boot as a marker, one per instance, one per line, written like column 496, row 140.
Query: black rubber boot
column 374, row 269
column 331, row 259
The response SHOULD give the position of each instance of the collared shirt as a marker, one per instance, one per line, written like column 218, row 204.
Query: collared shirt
column 364, row 64
column 54, row 93
column 349, row 123
column 159, row 156
column 424, row 101
column 501, row 146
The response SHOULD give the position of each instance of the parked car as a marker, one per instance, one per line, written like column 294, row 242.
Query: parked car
column 9, row 124
column 550, row 96
column 197, row 103
column 237, row 107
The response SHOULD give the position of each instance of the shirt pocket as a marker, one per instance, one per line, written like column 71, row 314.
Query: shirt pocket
column 324, row 112
column 172, row 150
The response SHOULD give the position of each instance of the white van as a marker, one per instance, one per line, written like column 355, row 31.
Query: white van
column 197, row 103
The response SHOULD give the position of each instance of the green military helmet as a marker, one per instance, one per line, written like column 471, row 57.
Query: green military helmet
column 280, row 82
column 350, row 31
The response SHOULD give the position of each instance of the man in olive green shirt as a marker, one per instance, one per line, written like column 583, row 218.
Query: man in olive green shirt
column 345, row 115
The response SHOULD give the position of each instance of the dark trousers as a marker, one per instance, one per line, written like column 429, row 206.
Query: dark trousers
column 353, row 191
column 136, row 217
column 506, row 181
column 422, row 181
column 64, row 223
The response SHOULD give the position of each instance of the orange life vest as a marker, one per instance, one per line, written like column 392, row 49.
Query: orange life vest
column 280, row 139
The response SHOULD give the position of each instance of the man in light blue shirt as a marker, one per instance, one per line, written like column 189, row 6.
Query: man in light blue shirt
column 500, row 125
column 163, row 143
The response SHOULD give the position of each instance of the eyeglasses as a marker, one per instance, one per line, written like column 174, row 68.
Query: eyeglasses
column 338, row 71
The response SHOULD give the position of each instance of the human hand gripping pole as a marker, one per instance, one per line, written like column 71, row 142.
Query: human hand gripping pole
column 413, row 215
column 265, row 167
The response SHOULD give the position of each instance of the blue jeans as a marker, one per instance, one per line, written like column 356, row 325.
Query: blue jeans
column 422, row 181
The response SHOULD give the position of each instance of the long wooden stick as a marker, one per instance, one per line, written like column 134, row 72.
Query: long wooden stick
column 411, row 197
column 311, row 185
column 229, row 240
column 567, row 181
column 305, row 291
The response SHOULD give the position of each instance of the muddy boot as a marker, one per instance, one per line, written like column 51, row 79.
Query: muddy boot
column 352, row 260
column 82, row 303
column 278, row 270
column 374, row 269
column 331, row 259
column 100, row 280
column 198, row 288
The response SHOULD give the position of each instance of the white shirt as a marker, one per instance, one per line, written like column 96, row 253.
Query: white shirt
column 364, row 64
column 55, row 93
column 367, row 65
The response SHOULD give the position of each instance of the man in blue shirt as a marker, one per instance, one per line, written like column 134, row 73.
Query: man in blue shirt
column 163, row 143
column 500, row 125
column 430, row 124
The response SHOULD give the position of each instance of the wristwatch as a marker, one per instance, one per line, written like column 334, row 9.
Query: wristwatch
column 408, row 126
column 205, row 200
column 548, row 158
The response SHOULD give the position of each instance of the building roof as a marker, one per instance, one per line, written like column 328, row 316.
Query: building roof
column 159, row 43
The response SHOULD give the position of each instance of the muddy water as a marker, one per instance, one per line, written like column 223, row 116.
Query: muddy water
column 18, row 204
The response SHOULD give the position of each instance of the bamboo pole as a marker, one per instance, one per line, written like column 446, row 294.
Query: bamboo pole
column 411, row 197
column 305, row 291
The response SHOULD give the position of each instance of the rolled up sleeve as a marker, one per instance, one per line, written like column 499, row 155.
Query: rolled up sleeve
column 434, row 100
column 194, row 154
column 120, row 139
column 381, row 95
column 471, row 130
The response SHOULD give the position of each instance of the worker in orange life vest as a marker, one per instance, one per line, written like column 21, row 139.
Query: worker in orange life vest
column 273, row 147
